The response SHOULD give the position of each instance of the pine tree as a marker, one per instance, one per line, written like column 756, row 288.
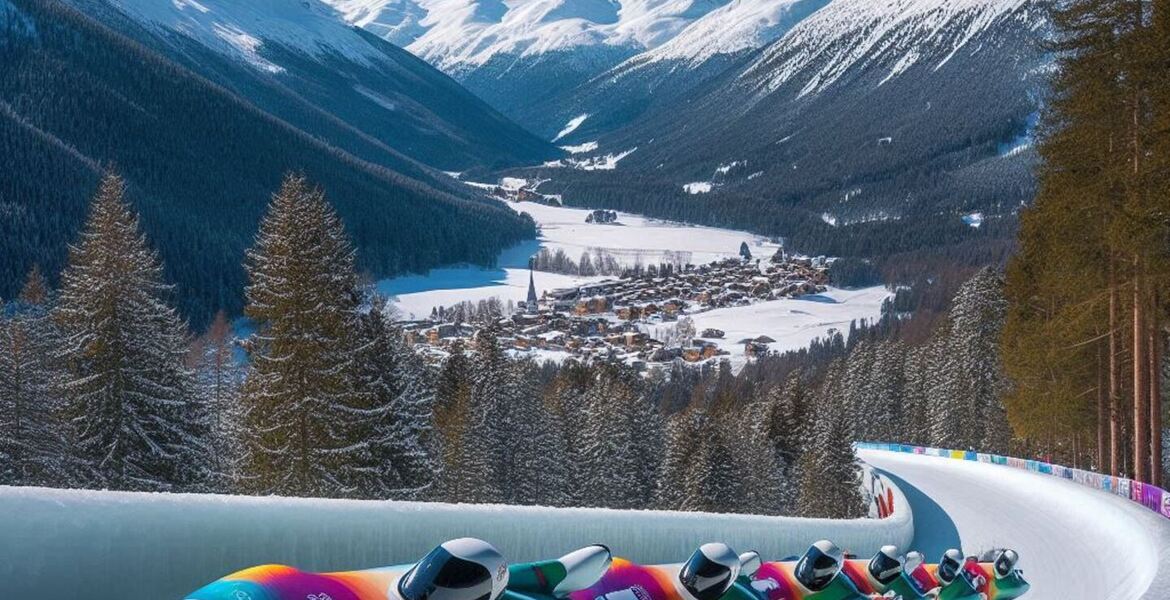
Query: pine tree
column 830, row 481
column 460, row 470
column 395, row 402
column 218, row 379
column 135, row 424
column 30, row 433
column 304, row 420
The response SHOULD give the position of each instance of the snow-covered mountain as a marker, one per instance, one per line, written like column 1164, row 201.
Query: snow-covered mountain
column 528, row 57
column 302, row 61
column 864, row 111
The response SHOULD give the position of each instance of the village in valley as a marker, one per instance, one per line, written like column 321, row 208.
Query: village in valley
column 640, row 318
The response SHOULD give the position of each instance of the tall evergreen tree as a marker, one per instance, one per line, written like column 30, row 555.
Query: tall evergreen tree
column 304, row 415
column 394, row 402
column 31, row 446
column 218, row 377
column 135, row 423
column 460, row 468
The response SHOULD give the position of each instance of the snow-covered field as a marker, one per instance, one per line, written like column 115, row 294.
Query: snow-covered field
column 66, row 544
column 794, row 324
column 1074, row 542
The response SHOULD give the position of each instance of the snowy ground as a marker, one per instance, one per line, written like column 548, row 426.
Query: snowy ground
column 794, row 324
column 1074, row 542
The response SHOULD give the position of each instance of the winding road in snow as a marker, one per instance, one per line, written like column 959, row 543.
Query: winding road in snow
column 1074, row 542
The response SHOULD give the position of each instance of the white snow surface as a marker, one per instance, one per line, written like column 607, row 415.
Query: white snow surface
column 793, row 323
column 734, row 27
column 240, row 29
column 580, row 148
column 698, row 187
column 571, row 126
column 846, row 32
column 136, row 546
column 456, row 33
column 1074, row 542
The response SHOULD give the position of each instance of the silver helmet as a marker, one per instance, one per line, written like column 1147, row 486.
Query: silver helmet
column 462, row 569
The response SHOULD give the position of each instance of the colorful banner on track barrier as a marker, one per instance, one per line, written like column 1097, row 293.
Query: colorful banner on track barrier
column 1152, row 497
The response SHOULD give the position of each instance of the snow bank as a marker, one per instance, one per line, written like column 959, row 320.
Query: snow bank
column 571, row 126
column 698, row 187
column 1075, row 540
column 69, row 543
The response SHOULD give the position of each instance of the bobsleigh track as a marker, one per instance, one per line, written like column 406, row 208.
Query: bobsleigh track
column 1075, row 543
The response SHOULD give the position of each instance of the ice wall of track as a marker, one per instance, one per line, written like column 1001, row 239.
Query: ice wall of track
column 84, row 544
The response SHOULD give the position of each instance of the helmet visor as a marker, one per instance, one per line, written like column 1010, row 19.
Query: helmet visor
column 816, row 570
column 884, row 568
column 441, row 576
column 704, row 578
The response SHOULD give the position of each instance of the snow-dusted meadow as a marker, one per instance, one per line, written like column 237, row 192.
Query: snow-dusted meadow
column 795, row 323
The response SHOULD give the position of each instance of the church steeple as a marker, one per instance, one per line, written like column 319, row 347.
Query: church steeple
column 532, row 301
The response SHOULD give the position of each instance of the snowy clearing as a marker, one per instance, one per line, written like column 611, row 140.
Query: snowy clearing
column 1074, row 542
column 698, row 187
column 571, row 126
column 134, row 546
column 974, row 219
column 606, row 162
column 793, row 323
column 580, row 148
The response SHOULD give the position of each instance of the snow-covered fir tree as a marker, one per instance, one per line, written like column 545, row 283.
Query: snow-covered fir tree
column 218, row 377
column 394, row 402
column 31, row 437
column 830, row 480
column 134, row 420
column 304, row 419
column 967, row 410
column 459, row 471
column 621, row 430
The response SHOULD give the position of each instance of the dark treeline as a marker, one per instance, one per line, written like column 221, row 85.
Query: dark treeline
column 1086, row 329
column 101, row 387
column 199, row 164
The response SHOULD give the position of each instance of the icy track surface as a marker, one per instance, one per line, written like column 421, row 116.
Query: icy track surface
column 1075, row 543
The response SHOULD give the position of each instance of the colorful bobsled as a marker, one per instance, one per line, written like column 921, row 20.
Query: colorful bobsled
column 462, row 569
column 823, row 574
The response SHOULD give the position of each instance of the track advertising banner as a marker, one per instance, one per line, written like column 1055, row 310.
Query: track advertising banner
column 1152, row 497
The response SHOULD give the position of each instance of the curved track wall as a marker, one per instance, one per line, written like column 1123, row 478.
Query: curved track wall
column 72, row 544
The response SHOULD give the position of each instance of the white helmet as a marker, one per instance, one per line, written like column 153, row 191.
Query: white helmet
column 1005, row 563
column 462, row 569
column 886, row 565
column 710, row 571
column 914, row 559
column 949, row 566
column 820, row 565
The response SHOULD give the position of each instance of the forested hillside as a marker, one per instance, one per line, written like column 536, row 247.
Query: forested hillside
column 200, row 164
column 1086, row 332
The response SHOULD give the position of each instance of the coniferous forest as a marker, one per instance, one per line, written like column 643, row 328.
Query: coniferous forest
column 102, row 387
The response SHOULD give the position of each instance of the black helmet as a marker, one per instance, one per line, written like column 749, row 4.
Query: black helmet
column 1005, row 563
column 710, row 571
column 949, row 566
column 462, row 569
column 885, row 566
column 819, row 565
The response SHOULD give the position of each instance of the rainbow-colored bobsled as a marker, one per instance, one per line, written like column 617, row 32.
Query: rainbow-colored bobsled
column 470, row 569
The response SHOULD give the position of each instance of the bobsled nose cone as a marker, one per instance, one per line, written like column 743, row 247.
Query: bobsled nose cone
column 462, row 569
column 583, row 568
column 749, row 563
